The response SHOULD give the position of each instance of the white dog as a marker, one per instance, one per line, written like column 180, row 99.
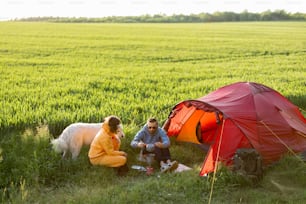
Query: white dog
column 76, row 135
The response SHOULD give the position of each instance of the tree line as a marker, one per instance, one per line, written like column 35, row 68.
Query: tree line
column 277, row 15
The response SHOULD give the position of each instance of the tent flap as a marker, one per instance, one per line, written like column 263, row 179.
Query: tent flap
column 179, row 120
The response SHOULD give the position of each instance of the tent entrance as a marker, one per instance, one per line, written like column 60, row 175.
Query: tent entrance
column 190, row 124
column 207, row 127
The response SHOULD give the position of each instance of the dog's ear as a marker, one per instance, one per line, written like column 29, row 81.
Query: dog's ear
column 113, row 122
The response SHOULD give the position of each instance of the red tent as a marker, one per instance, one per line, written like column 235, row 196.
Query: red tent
column 240, row 115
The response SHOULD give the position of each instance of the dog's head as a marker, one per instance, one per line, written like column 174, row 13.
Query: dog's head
column 115, row 125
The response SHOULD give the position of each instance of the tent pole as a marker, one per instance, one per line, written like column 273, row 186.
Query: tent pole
column 216, row 164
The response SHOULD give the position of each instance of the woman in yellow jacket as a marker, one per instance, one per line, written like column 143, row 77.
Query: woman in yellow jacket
column 104, row 149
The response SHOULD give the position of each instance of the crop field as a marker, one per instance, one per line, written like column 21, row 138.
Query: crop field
column 54, row 74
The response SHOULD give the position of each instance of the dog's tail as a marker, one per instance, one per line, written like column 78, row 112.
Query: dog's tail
column 59, row 145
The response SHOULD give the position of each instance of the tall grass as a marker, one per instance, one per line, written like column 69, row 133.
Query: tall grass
column 56, row 74
column 60, row 73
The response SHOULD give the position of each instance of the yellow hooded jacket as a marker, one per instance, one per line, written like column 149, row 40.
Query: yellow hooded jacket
column 106, row 143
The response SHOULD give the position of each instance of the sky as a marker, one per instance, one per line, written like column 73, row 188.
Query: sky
column 11, row 9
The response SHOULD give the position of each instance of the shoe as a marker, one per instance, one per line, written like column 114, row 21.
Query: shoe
column 173, row 165
column 164, row 168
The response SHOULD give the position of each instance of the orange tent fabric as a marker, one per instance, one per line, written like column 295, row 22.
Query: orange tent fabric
column 188, row 130
column 179, row 120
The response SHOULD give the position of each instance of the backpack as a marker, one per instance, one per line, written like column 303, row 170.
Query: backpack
column 248, row 163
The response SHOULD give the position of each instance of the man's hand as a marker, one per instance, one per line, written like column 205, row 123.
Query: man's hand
column 159, row 144
column 141, row 145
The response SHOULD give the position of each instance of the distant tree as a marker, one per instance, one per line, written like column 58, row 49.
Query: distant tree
column 277, row 15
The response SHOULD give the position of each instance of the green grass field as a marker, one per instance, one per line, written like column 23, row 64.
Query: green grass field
column 54, row 74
